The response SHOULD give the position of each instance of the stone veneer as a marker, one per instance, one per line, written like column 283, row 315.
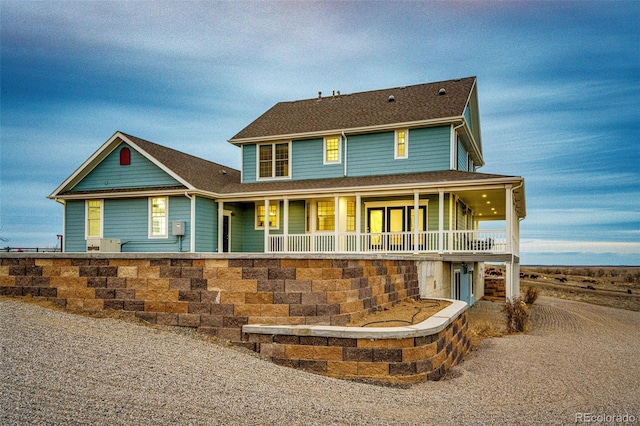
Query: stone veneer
column 395, row 354
column 494, row 289
column 219, row 295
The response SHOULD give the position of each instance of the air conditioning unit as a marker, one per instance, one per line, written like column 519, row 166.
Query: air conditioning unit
column 108, row 245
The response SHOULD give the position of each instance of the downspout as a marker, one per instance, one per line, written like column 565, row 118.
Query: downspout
column 454, row 147
column 345, row 154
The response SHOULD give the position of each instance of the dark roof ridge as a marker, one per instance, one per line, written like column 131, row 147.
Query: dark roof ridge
column 408, row 86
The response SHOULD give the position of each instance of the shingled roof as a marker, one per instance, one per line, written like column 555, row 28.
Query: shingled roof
column 201, row 174
column 342, row 112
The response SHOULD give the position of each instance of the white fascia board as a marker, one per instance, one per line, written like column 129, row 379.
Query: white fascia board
column 157, row 163
column 395, row 189
column 353, row 130
column 89, row 164
column 98, row 156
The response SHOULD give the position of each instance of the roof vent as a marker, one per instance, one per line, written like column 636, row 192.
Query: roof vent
column 319, row 95
column 442, row 92
column 223, row 172
column 391, row 98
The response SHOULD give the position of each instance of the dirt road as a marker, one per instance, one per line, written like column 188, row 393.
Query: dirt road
column 58, row 368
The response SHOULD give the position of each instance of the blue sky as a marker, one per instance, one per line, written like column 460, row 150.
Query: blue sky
column 558, row 83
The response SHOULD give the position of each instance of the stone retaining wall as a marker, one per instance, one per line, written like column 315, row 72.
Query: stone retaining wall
column 395, row 354
column 215, row 295
column 494, row 289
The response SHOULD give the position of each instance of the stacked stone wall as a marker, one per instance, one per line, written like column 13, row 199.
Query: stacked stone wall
column 215, row 295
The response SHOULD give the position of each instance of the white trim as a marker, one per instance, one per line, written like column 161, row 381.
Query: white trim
column 366, row 129
column 273, row 161
column 406, row 144
column 150, row 219
column 86, row 218
column 266, row 219
column 103, row 152
column 229, row 214
column 324, row 149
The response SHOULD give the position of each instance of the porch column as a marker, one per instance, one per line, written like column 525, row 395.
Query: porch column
column 508, row 281
column 285, row 245
column 267, row 219
column 416, row 225
column 358, row 221
column 192, row 230
column 509, row 217
column 220, row 226
column 336, row 223
column 440, row 221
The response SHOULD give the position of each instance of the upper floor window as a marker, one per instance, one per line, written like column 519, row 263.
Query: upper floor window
column 273, row 160
column 125, row 156
column 332, row 150
column 94, row 218
column 401, row 144
column 158, row 217
column 273, row 216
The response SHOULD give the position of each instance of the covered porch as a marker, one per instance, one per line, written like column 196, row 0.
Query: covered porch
column 479, row 218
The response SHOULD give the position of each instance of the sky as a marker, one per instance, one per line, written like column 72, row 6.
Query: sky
column 558, row 88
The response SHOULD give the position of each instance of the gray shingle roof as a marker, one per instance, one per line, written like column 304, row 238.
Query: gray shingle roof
column 360, row 110
column 202, row 174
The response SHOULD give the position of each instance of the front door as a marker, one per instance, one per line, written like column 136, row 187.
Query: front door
column 376, row 226
column 225, row 233
column 395, row 225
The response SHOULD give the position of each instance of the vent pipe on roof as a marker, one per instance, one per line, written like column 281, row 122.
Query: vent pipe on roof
column 319, row 95
column 391, row 98
column 442, row 91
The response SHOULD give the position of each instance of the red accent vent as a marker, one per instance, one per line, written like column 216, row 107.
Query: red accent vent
column 125, row 156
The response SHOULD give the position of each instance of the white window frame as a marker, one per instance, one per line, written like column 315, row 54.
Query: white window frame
column 273, row 161
column 396, row 156
column 275, row 204
column 324, row 150
column 150, row 217
column 86, row 219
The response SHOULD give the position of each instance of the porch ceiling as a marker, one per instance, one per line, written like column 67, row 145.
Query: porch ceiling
column 487, row 204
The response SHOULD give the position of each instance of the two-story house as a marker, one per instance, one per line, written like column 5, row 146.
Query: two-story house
column 384, row 172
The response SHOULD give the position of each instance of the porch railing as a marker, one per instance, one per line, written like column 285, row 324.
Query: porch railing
column 474, row 241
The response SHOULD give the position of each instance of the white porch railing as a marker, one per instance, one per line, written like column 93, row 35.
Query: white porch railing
column 475, row 241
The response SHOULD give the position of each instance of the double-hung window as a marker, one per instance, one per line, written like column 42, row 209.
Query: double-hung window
column 332, row 150
column 273, row 216
column 158, row 217
column 274, row 160
column 401, row 145
column 326, row 219
column 94, row 218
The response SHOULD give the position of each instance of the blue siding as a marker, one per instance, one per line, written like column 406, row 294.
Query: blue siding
column 467, row 116
column 373, row 154
column 109, row 174
column 74, row 227
column 308, row 156
column 248, row 163
column 462, row 157
column 368, row 154
column 206, row 225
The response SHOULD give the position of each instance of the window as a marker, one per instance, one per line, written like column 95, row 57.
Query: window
column 332, row 150
column 158, row 223
column 94, row 218
column 125, row 156
column 274, row 221
column 401, row 144
column 326, row 215
column 273, row 160
column 351, row 216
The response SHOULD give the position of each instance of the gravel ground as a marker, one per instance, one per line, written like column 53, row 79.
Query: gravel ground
column 59, row 368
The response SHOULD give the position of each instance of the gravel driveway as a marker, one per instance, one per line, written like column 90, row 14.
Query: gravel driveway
column 58, row 368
